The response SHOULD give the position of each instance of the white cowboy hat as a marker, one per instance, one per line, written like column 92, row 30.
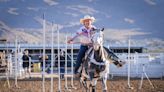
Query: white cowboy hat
column 86, row 17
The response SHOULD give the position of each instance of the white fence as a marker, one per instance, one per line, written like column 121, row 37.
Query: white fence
column 153, row 62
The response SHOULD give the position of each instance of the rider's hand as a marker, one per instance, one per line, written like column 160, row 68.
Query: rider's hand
column 90, row 44
column 70, row 41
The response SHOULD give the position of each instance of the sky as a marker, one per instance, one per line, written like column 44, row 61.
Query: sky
column 141, row 19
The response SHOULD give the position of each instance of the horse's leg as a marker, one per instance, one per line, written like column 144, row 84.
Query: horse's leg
column 115, row 58
column 93, row 84
column 104, row 85
column 83, row 82
column 93, row 88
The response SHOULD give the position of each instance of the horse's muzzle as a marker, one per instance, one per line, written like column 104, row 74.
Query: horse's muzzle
column 96, row 46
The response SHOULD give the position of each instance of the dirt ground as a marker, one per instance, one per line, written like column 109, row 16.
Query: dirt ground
column 114, row 85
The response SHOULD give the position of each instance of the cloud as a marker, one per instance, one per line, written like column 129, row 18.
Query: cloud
column 72, row 14
column 23, row 36
column 13, row 11
column 150, row 2
column 106, row 15
column 128, row 20
column 4, row 0
column 3, row 25
column 82, row 9
column 90, row 0
column 59, row 26
column 72, row 24
column 29, row 35
column 32, row 8
column 48, row 24
column 122, row 34
column 51, row 2
column 118, row 36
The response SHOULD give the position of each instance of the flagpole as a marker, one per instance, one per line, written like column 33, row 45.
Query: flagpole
column 58, row 42
column 52, row 56
column 16, row 61
column 43, row 75
column 129, row 55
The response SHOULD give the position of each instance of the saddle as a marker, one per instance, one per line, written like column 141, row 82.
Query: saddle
column 91, row 67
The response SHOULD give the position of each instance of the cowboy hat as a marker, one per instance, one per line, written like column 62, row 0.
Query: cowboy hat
column 86, row 17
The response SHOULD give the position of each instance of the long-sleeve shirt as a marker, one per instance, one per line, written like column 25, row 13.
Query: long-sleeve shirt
column 84, row 34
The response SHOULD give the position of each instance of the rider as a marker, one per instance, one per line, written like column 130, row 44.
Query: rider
column 86, row 31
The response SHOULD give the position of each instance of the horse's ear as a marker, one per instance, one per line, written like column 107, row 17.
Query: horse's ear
column 102, row 29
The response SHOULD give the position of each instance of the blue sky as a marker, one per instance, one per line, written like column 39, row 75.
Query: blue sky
column 142, row 19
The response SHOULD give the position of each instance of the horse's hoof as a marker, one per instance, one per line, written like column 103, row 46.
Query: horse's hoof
column 104, row 90
column 120, row 64
column 77, row 75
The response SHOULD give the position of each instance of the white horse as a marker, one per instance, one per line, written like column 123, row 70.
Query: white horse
column 96, row 64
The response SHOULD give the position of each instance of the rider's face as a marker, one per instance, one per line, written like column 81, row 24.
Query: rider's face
column 87, row 23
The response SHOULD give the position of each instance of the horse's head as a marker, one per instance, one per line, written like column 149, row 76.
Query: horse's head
column 97, row 38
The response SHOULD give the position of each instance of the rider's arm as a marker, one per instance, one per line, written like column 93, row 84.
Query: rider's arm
column 75, row 35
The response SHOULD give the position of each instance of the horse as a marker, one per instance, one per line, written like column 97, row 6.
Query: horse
column 96, row 63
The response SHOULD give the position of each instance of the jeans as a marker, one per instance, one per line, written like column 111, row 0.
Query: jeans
column 80, row 56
